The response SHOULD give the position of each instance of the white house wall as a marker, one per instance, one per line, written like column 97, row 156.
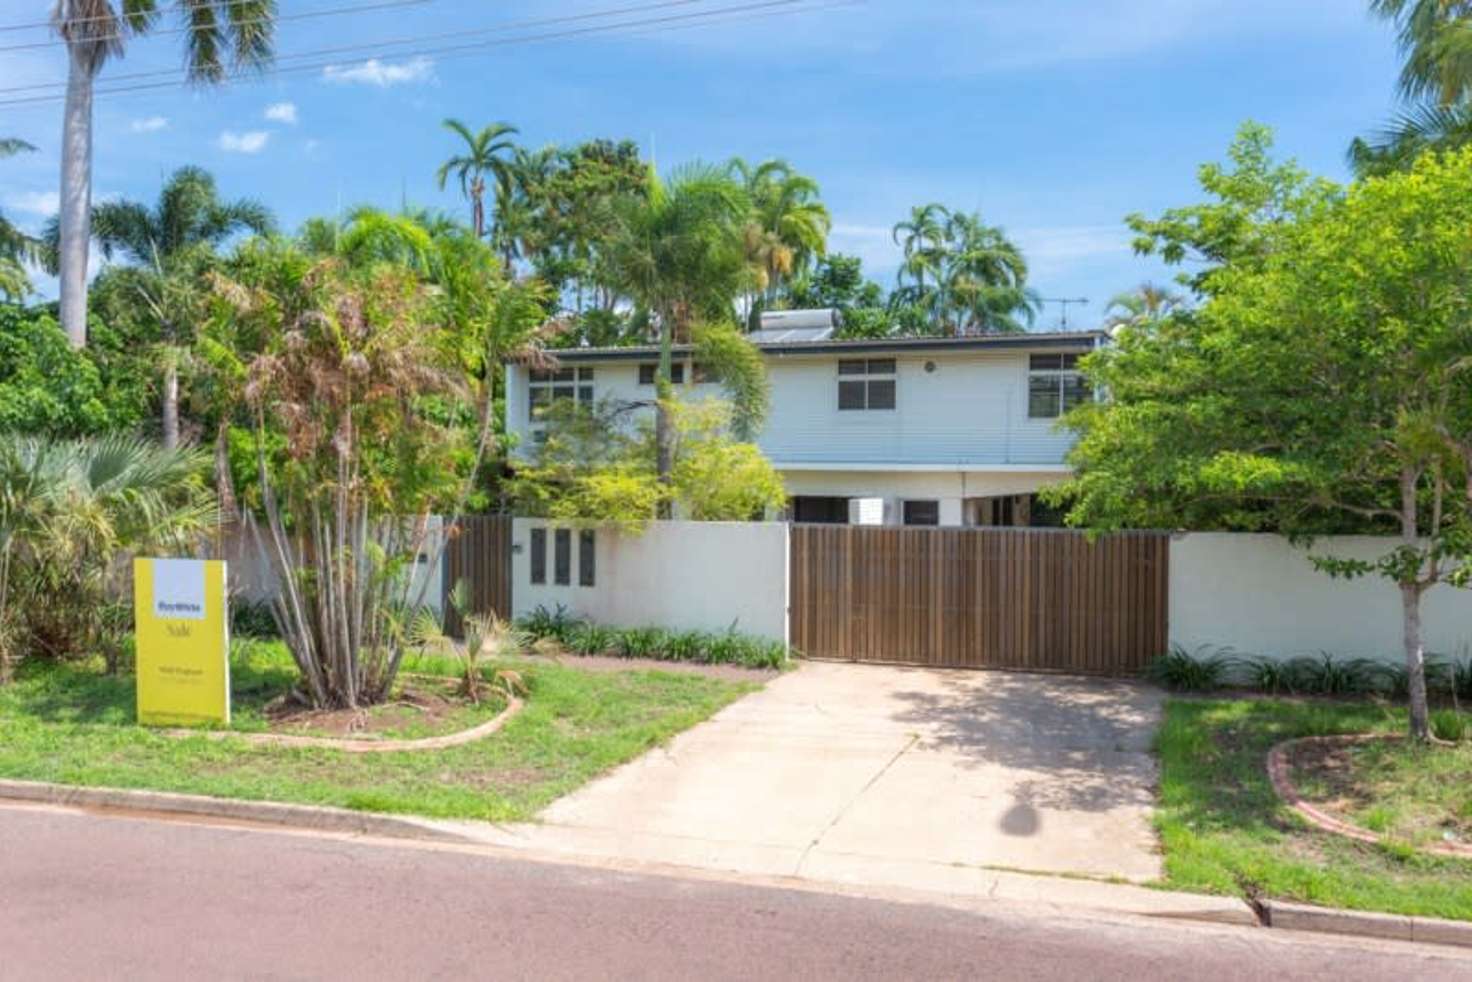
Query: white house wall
column 971, row 411
column 1261, row 595
column 678, row 575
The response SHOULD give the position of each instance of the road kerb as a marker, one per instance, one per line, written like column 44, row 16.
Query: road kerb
column 1365, row 924
column 314, row 818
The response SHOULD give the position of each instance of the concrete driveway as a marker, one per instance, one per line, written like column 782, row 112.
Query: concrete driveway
column 918, row 777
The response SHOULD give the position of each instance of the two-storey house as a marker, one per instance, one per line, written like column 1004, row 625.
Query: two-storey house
column 899, row 431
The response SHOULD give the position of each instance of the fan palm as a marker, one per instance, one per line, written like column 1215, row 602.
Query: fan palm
column 219, row 36
column 485, row 152
column 171, row 243
column 678, row 252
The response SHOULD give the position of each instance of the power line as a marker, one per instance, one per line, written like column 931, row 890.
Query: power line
column 301, row 15
column 697, row 18
column 366, row 46
column 47, row 24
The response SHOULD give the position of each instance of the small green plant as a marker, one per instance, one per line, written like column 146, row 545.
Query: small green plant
column 642, row 642
column 1450, row 725
column 252, row 619
column 558, row 624
column 592, row 639
column 1184, row 671
column 1326, row 676
column 690, row 646
column 486, row 636
column 1269, row 675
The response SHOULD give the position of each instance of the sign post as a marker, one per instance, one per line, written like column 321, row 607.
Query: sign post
column 183, row 636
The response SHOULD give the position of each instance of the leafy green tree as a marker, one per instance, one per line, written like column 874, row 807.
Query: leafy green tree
column 984, row 284
column 678, row 252
column 220, row 36
column 1323, row 378
column 48, row 388
column 1254, row 200
column 172, row 246
column 485, row 152
column 15, row 246
column 922, row 236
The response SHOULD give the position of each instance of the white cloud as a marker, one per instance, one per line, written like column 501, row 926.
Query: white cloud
column 282, row 112
column 252, row 141
column 149, row 124
column 375, row 72
column 34, row 202
column 1052, row 250
column 873, row 244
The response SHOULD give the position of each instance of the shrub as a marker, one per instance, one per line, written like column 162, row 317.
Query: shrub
column 1448, row 724
column 1325, row 676
column 1184, row 671
column 688, row 646
column 557, row 624
column 252, row 619
column 1269, row 675
column 592, row 639
column 643, row 642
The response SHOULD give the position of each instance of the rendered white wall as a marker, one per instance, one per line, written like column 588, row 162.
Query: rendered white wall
column 679, row 575
column 1260, row 595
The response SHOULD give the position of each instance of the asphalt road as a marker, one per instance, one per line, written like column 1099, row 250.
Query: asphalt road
column 108, row 897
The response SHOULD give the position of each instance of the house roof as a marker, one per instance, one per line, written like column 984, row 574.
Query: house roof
column 1066, row 341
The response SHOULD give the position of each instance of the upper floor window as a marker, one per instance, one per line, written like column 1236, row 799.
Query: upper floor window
column 546, row 387
column 866, row 383
column 1055, row 385
column 701, row 374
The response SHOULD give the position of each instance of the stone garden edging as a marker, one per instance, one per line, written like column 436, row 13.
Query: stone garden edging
column 359, row 745
column 1279, row 772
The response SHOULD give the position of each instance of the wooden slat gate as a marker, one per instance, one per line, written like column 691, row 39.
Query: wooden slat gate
column 1028, row 599
column 479, row 552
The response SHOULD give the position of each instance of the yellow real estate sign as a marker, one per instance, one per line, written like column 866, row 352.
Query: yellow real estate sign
column 183, row 642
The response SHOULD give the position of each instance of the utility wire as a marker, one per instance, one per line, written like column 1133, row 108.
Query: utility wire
column 47, row 24
column 366, row 46
column 699, row 18
column 300, row 15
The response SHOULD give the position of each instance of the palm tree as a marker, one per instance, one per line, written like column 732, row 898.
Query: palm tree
column 485, row 153
column 519, row 199
column 789, row 225
column 219, row 36
column 171, row 244
column 678, row 252
column 923, row 238
column 1142, row 306
column 15, row 246
column 1435, row 37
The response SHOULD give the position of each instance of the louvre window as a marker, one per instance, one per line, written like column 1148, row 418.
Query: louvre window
column 539, row 555
column 866, row 383
column 587, row 557
column 562, row 557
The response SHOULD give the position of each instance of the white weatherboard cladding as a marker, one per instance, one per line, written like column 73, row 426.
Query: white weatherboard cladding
column 969, row 412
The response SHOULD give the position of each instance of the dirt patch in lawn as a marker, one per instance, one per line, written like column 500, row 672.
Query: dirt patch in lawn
column 426, row 708
column 1405, row 792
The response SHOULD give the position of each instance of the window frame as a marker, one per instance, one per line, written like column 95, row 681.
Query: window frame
column 865, row 376
column 1057, row 377
column 538, row 557
column 562, row 557
column 578, row 380
column 587, row 558
column 649, row 372
column 929, row 503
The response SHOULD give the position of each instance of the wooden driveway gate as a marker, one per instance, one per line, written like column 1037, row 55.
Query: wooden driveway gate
column 480, row 554
column 1031, row 599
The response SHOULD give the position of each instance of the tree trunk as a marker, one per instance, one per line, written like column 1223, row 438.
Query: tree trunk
column 664, row 437
column 76, row 199
column 224, row 483
column 1410, row 597
column 171, row 402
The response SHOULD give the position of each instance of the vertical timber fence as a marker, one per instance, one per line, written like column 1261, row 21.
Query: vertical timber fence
column 1029, row 599
column 479, row 554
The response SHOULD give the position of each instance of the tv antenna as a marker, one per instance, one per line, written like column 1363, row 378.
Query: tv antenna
column 1064, row 303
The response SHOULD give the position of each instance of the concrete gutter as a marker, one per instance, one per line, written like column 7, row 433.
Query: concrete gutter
column 1046, row 893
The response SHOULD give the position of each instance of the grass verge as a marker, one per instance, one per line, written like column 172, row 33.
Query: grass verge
column 72, row 725
column 1224, row 830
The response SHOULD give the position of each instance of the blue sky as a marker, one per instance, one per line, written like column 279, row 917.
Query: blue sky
column 1054, row 118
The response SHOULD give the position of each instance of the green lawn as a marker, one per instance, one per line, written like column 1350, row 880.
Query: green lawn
column 72, row 725
column 1225, row 831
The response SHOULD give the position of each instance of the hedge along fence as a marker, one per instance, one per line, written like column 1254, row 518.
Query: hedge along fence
column 1209, row 669
column 581, row 636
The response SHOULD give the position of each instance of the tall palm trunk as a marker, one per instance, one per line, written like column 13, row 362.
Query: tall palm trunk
column 76, row 196
column 664, row 437
column 171, row 402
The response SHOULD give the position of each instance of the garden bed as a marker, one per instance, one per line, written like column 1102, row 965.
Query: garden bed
column 71, row 724
column 1224, row 829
